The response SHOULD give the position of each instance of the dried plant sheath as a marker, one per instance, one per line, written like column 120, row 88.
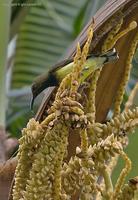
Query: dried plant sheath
column 107, row 84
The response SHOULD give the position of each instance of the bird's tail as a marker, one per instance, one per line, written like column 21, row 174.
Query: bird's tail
column 110, row 56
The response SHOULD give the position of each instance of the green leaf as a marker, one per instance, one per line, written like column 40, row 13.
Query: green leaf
column 45, row 33
column 79, row 19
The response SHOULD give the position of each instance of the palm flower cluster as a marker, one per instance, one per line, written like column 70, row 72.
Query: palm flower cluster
column 44, row 172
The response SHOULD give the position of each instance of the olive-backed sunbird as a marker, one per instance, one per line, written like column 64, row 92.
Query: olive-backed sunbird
column 54, row 76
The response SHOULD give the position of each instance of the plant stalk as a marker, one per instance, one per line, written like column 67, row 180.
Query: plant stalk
column 5, row 11
column 108, row 183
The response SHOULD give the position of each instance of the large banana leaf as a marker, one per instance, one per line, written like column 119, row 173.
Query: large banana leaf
column 46, row 32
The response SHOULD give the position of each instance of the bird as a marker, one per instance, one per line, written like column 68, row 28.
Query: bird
column 55, row 75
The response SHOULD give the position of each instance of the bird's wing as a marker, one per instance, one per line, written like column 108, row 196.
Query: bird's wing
column 60, row 64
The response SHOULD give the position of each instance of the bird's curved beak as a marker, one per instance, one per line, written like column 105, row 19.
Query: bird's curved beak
column 32, row 103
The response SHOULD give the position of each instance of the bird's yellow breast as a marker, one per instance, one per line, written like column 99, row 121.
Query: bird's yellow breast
column 91, row 64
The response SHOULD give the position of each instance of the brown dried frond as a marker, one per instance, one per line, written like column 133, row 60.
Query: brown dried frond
column 121, row 90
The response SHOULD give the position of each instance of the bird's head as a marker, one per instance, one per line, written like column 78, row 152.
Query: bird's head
column 41, row 83
column 37, row 87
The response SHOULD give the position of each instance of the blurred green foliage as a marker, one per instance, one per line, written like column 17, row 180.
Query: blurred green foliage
column 132, row 152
